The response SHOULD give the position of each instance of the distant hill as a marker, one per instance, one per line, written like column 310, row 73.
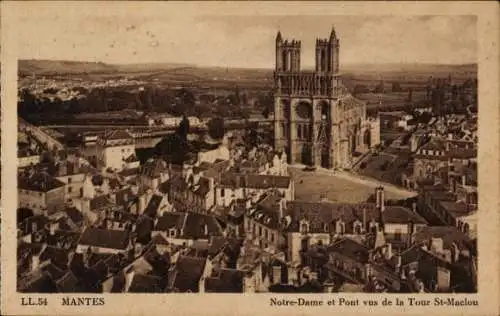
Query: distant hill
column 39, row 67
column 61, row 67
column 186, row 73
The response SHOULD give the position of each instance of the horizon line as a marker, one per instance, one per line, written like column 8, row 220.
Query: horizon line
column 188, row 64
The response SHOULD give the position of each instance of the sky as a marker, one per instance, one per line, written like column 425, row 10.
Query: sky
column 234, row 36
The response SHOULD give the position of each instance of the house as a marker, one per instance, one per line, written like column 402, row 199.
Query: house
column 232, row 186
column 193, row 192
column 152, row 173
column 307, row 223
column 104, row 241
column 113, row 148
column 189, row 274
column 356, row 263
column 39, row 191
column 183, row 228
column 72, row 173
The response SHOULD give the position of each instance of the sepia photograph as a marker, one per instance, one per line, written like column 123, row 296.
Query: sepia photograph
column 233, row 151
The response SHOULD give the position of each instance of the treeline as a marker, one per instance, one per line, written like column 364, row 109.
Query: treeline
column 178, row 102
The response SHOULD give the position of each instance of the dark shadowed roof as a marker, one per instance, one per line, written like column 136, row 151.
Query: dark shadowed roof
column 105, row 238
column 142, row 283
column 257, row 181
column 225, row 281
column 39, row 181
column 350, row 248
column 187, row 274
column 449, row 235
column 153, row 205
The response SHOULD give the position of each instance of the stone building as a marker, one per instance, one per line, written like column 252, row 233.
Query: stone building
column 316, row 121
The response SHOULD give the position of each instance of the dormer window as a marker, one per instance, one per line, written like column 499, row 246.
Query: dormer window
column 304, row 228
column 357, row 227
column 340, row 227
column 172, row 232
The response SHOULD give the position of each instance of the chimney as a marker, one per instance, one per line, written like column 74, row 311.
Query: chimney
column 398, row 263
column 85, row 205
column 364, row 220
column 205, row 230
column 437, row 245
column 35, row 262
column 141, row 204
column 277, row 274
column 414, row 207
column 34, row 227
column 282, row 207
column 52, row 228
column 455, row 252
column 380, row 198
column 388, row 254
column 377, row 197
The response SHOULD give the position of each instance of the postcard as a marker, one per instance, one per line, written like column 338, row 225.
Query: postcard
column 233, row 158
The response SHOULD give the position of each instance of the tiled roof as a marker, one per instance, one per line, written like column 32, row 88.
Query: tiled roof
column 105, row 238
column 129, row 172
column 195, row 226
column 225, row 281
column 460, row 153
column 117, row 135
column 142, row 283
column 153, row 205
column 153, row 168
column 192, row 225
column 236, row 180
column 449, row 235
column 39, row 181
column 187, row 274
column 202, row 188
column 159, row 240
column 125, row 197
column 164, row 187
column 100, row 202
column 69, row 283
column 457, row 209
column 170, row 220
column 74, row 214
column 350, row 248
column 58, row 256
column 321, row 213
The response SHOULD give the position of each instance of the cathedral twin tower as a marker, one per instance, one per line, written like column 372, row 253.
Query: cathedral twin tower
column 327, row 54
column 316, row 121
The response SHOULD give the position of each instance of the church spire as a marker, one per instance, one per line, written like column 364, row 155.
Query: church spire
column 278, row 37
column 333, row 35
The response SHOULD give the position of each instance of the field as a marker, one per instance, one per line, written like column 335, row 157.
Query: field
column 311, row 186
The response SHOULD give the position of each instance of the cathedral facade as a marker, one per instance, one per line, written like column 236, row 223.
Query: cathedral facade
column 317, row 122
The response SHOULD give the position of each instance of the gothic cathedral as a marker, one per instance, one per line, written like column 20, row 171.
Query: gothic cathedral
column 317, row 122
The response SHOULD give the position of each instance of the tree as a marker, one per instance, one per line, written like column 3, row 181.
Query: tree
column 251, row 137
column 396, row 87
column 186, row 97
column 183, row 129
column 216, row 128
column 410, row 94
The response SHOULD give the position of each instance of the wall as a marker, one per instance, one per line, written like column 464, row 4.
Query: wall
column 112, row 157
column 33, row 200
column 23, row 162
column 73, row 186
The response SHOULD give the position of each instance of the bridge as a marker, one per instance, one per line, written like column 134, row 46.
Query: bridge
column 41, row 134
